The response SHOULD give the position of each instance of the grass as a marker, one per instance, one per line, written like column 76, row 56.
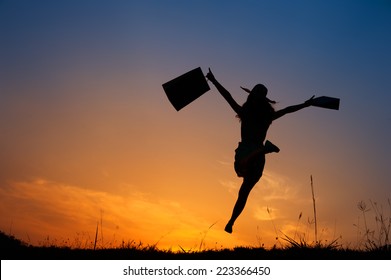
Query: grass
column 303, row 242
column 375, row 240
column 12, row 248
column 379, row 237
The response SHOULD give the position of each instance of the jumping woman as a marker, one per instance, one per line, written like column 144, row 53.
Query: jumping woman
column 256, row 115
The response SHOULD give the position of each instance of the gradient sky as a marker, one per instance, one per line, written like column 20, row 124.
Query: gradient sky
column 88, row 136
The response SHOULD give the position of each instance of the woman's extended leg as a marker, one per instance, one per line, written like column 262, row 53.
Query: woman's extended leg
column 244, row 191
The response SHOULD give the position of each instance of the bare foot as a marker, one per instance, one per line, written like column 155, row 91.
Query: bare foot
column 228, row 228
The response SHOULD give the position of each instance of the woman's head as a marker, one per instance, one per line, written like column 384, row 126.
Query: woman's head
column 259, row 93
column 257, row 104
column 259, row 90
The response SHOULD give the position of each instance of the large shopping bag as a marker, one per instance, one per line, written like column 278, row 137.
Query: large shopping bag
column 186, row 88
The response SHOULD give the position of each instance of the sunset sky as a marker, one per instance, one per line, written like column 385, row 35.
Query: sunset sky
column 88, row 136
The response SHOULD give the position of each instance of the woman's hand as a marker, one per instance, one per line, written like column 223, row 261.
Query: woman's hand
column 309, row 101
column 210, row 76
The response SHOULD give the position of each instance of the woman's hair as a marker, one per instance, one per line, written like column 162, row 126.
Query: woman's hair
column 257, row 106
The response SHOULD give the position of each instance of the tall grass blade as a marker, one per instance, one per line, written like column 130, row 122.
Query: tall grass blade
column 96, row 235
column 313, row 201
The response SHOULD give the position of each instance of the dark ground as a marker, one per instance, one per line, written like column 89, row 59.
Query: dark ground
column 14, row 249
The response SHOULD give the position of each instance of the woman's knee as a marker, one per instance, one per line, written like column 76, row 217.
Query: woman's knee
column 246, row 188
column 251, row 180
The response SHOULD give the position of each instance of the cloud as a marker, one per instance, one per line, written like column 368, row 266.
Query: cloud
column 270, row 187
column 231, row 186
column 277, row 187
column 42, row 208
column 266, row 213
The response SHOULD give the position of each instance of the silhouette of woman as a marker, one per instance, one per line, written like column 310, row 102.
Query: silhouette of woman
column 256, row 115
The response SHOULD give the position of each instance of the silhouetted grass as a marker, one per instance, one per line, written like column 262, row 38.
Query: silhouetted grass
column 303, row 242
column 378, row 238
column 12, row 248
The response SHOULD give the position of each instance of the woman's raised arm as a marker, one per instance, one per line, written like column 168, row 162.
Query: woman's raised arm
column 225, row 93
column 293, row 108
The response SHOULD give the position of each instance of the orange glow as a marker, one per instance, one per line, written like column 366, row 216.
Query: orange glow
column 149, row 174
column 70, row 214
column 45, row 212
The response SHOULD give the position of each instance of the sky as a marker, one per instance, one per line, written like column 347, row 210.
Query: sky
column 89, row 139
